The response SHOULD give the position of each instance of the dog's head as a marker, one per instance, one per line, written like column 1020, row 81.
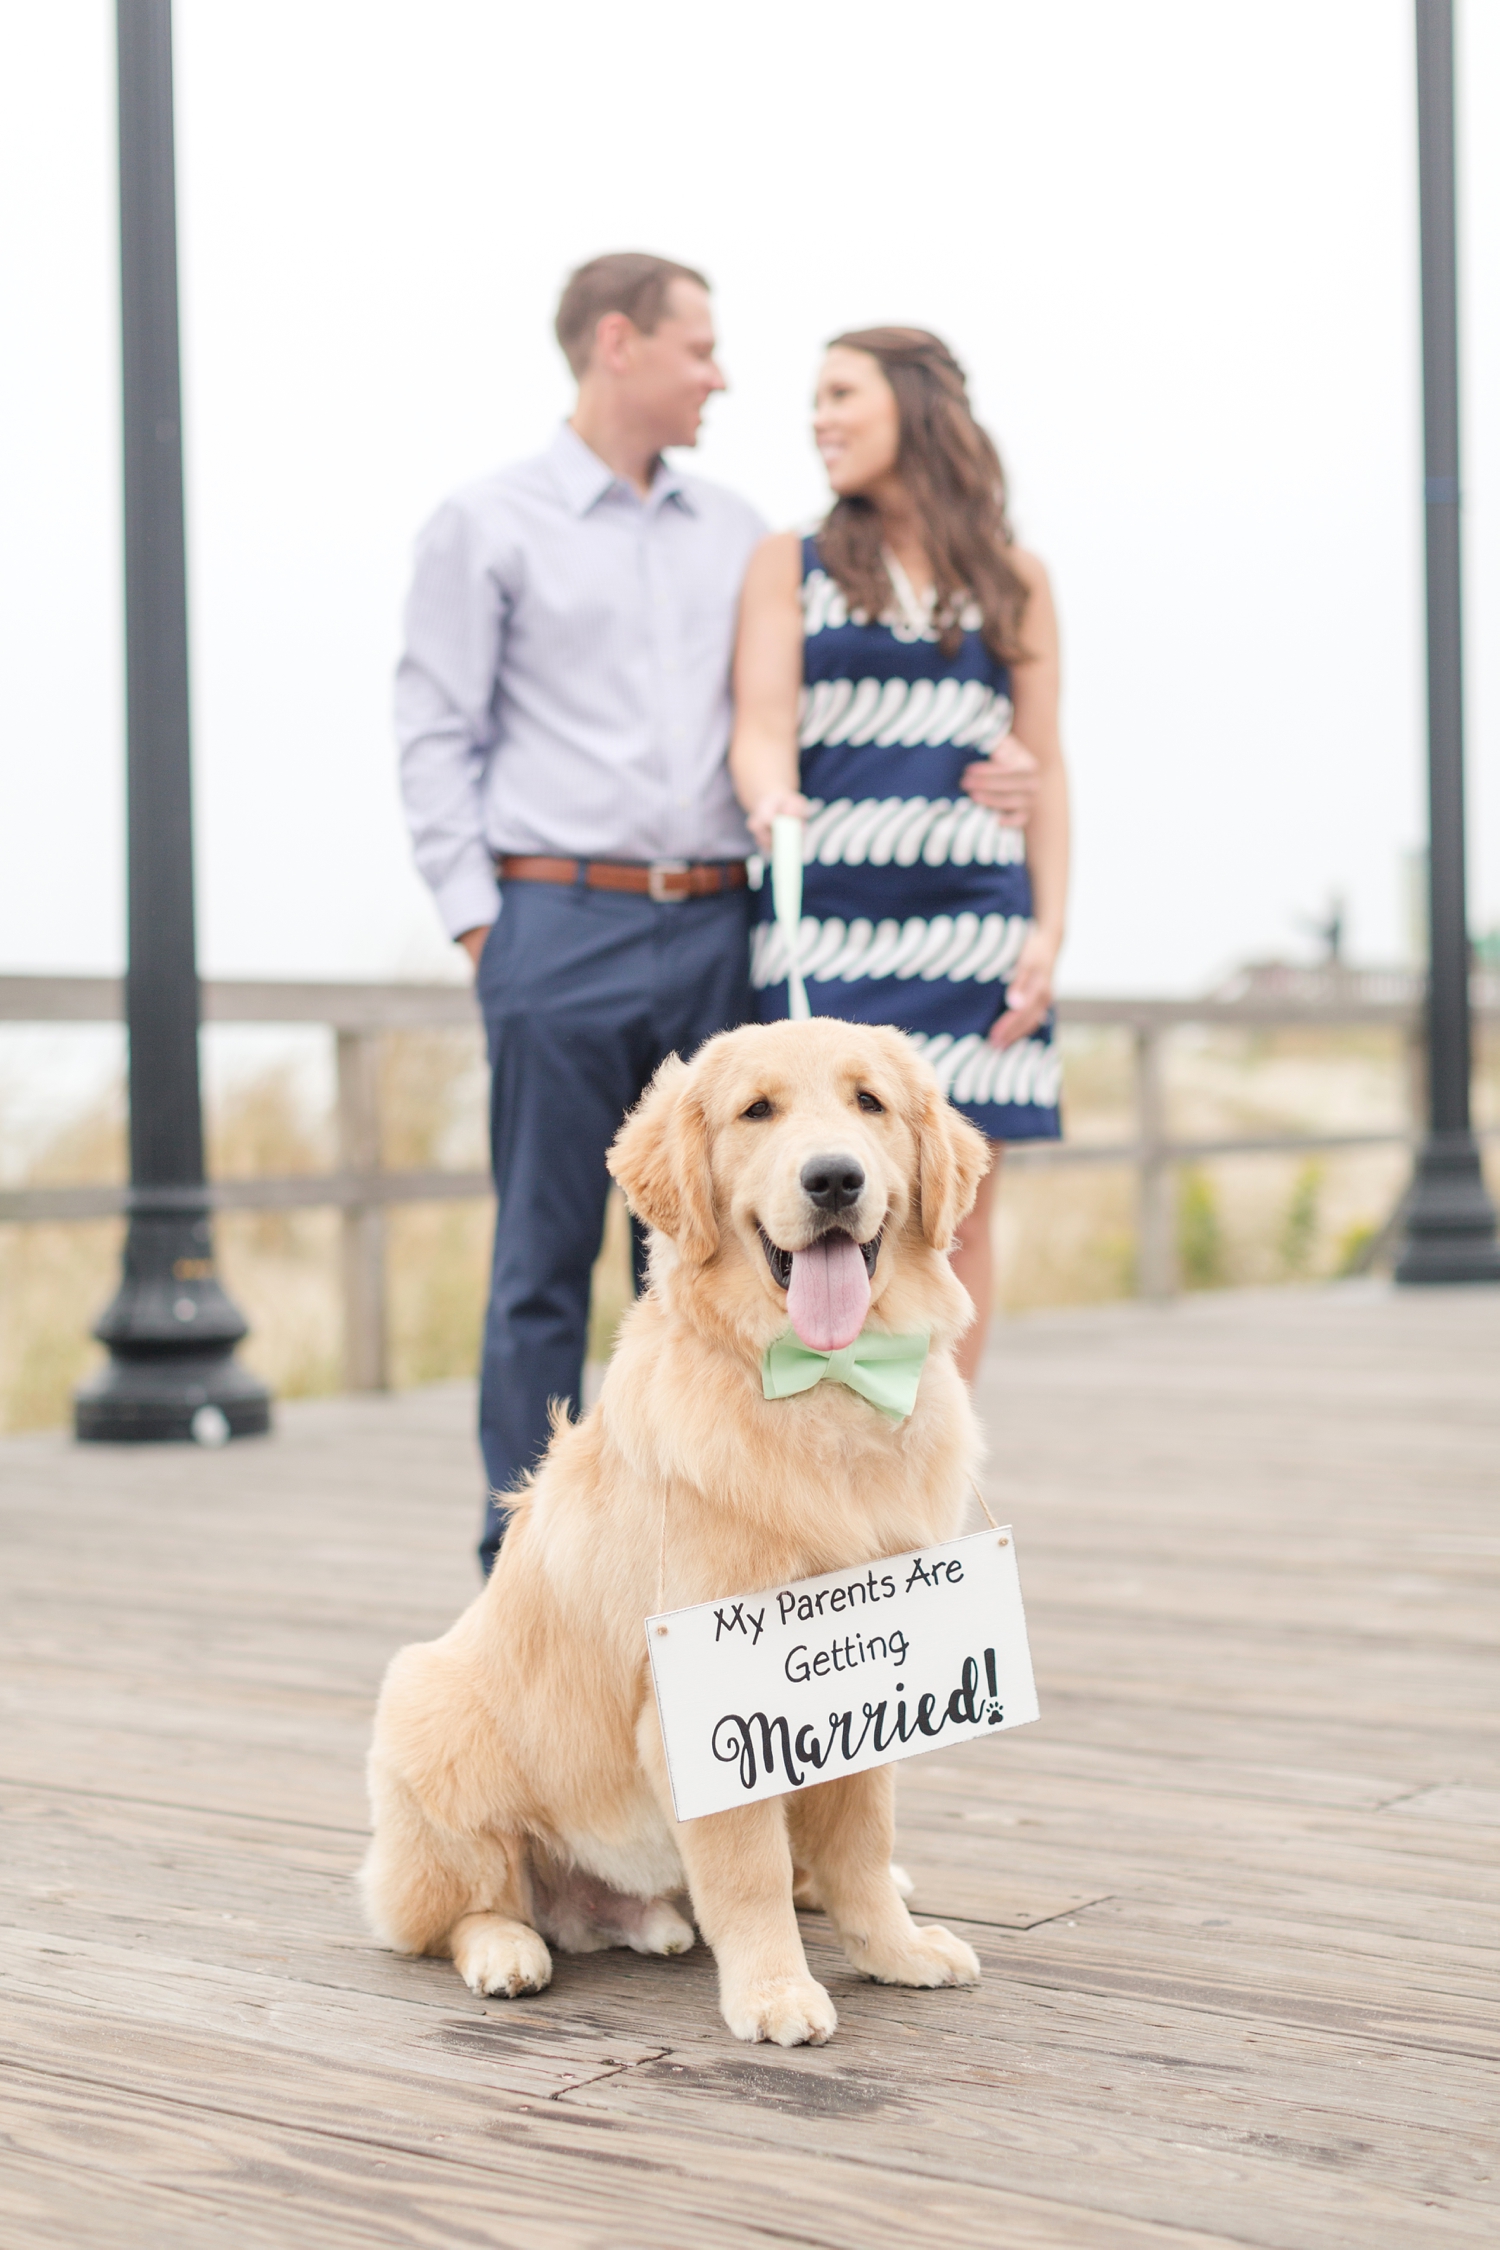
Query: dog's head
column 806, row 1172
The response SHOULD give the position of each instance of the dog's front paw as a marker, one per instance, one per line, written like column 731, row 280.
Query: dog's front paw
column 924, row 1957
column 791, row 2011
column 495, row 1955
column 662, row 1930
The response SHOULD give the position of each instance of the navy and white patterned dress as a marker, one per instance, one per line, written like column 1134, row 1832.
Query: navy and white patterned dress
column 916, row 901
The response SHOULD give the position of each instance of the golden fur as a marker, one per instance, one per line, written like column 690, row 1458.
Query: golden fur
column 517, row 1775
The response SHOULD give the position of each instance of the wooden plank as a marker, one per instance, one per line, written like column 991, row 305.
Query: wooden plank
column 71, row 1936
column 1479, row 1807
column 77, row 1869
column 1455, row 1862
column 74, row 1876
column 981, row 1895
column 907, row 2082
column 171, row 1770
column 1293, row 2180
column 364, row 2164
column 47, row 2203
column 1161, row 1767
column 1048, row 2036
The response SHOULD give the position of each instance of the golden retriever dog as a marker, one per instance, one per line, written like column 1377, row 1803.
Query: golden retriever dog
column 809, row 1174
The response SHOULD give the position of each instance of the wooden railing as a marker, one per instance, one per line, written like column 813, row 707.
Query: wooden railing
column 362, row 1191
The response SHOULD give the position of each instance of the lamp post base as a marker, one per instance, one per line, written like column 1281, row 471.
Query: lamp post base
column 1450, row 1220
column 189, row 1398
column 172, row 1377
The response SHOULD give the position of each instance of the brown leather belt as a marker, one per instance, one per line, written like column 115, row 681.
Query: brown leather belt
column 668, row 881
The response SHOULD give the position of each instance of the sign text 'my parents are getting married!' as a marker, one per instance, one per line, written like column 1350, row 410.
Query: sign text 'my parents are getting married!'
column 760, row 1694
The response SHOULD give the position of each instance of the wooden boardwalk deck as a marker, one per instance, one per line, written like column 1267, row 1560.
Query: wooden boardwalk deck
column 1236, row 1894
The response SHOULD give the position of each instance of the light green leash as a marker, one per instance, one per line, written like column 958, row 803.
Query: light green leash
column 786, row 898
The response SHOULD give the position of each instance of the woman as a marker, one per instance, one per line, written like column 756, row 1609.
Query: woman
column 909, row 651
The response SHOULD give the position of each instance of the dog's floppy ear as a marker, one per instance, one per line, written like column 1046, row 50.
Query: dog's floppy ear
column 660, row 1158
column 952, row 1159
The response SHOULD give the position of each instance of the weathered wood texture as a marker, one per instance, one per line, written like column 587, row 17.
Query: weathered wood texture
column 1236, row 1894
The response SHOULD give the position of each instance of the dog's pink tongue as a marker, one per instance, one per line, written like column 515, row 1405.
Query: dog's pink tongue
column 829, row 1293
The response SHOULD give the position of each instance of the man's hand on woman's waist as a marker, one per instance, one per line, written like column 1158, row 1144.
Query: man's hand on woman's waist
column 1007, row 782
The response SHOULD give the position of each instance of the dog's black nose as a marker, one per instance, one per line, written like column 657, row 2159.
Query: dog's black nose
column 833, row 1182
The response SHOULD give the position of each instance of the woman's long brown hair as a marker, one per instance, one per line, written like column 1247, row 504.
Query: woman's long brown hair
column 951, row 469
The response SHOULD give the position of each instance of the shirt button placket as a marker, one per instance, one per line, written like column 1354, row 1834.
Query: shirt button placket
column 667, row 668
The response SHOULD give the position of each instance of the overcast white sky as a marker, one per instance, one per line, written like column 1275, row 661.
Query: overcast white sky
column 1173, row 240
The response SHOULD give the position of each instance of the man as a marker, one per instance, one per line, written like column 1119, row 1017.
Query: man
column 562, row 706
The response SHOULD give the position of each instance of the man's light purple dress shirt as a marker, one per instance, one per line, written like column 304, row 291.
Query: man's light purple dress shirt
column 564, row 686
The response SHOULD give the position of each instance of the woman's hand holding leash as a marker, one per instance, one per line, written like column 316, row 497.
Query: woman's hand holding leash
column 772, row 807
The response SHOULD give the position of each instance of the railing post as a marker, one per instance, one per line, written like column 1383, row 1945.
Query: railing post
column 362, row 1225
column 1156, row 1228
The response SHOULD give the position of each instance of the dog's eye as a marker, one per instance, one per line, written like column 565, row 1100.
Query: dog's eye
column 868, row 1101
column 762, row 1108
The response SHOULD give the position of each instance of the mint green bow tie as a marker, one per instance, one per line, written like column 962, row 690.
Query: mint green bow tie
column 884, row 1369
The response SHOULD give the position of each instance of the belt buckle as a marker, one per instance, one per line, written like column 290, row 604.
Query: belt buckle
column 656, row 876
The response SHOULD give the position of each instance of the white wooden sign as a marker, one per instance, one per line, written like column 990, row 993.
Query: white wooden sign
column 766, row 1693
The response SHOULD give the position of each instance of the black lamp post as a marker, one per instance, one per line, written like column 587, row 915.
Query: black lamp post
column 1450, row 1220
column 171, row 1330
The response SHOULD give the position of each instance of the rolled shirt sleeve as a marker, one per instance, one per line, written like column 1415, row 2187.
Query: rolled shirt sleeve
column 446, row 686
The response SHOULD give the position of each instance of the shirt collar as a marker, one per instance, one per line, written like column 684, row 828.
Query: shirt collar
column 584, row 479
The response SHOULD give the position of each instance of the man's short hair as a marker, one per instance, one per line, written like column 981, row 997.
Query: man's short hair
column 626, row 281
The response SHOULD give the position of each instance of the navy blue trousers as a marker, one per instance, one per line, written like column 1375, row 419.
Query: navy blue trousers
column 584, row 993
